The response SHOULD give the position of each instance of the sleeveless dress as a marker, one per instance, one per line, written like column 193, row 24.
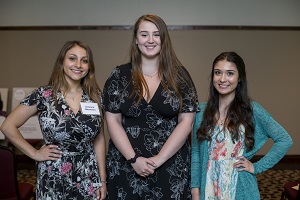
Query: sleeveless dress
column 75, row 175
column 148, row 126
column 221, row 177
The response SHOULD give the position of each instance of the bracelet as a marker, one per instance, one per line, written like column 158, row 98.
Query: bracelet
column 133, row 160
column 103, row 182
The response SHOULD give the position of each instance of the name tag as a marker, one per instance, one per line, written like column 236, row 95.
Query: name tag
column 89, row 108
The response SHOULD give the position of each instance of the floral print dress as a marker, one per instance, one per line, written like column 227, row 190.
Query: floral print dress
column 75, row 175
column 221, row 177
column 148, row 126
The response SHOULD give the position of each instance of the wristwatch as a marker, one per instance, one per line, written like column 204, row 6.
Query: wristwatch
column 133, row 160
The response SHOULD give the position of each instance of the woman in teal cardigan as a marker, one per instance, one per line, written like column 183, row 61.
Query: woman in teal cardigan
column 228, row 132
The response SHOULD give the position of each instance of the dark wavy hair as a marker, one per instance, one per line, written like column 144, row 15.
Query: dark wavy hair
column 88, row 83
column 170, row 68
column 239, row 110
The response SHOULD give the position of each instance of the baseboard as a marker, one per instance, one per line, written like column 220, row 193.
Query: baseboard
column 285, row 159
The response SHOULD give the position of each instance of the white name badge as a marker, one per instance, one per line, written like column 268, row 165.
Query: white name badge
column 89, row 108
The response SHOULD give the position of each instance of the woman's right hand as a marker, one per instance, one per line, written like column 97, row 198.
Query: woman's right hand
column 48, row 152
column 144, row 166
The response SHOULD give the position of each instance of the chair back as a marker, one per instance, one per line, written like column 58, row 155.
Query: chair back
column 8, row 174
column 289, row 192
column 298, row 193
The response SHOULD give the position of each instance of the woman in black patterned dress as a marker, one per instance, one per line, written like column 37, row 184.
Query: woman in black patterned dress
column 150, row 106
column 71, row 164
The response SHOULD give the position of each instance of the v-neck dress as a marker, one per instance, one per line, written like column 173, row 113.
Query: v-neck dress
column 148, row 126
column 75, row 175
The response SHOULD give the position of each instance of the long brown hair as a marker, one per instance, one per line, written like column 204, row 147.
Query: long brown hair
column 88, row 83
column 170, row 68
column 239, row 110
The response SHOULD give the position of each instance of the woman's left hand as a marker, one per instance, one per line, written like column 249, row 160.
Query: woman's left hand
column 101, row 192
column 243, row 165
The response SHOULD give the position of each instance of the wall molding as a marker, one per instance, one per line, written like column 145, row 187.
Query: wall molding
column 285, row 159
column 171, row 27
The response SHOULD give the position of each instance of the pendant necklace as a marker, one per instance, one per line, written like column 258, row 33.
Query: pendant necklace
column 221, row 121
column 73, row 97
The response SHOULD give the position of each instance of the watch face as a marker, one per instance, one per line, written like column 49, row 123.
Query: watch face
column 133, row 160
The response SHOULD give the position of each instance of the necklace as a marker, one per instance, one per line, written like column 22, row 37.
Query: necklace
column 151, row 76
column 221, row 122
column 74, row 96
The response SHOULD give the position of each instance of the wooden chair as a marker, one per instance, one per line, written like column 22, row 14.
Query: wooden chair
column 10, row 187
column 289, row 192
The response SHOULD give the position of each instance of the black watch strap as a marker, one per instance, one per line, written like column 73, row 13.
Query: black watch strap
column 133, row 160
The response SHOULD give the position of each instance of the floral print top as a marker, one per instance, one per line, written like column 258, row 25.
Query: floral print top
column 221, row 177
column 75, row 175
column 148, row 125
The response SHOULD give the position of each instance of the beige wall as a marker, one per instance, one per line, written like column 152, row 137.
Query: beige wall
column 174, row 12
column 271, row 58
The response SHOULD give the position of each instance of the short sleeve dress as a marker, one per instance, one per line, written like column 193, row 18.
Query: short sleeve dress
column 148, row 126
column 75, row 175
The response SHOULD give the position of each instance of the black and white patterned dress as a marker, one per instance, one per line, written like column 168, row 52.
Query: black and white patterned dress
column 75, row 175
column 147, row 126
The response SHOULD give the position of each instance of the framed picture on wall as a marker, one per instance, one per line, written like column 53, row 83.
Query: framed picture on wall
column 3, row 108
column 18, row 94
column 31, row 128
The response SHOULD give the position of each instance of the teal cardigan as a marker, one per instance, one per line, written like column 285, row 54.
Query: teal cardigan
column 265, row 127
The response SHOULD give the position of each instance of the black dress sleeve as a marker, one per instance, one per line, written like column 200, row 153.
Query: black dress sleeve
column 114, row 91
column 189, row 94
column 37, row 97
